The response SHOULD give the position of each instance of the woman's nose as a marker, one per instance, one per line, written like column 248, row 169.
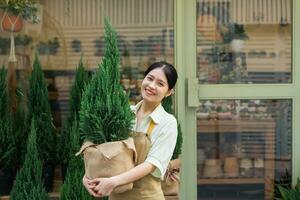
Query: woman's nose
column 152, row 84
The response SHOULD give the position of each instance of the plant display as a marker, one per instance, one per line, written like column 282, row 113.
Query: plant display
column 49, row 47
column 27, row 9
column 23, row 40
column 105, row 114
column 28, row 184
column 168, row 106
column 76, row 46
column 39, row 109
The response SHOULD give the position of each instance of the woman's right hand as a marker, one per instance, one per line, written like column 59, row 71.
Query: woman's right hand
column 89, row 186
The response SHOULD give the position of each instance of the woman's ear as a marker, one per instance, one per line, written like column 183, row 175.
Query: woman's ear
column 170, row 92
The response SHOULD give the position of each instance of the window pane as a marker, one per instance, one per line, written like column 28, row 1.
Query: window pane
column 244, row 41
column 69, row 29
column 244, row 148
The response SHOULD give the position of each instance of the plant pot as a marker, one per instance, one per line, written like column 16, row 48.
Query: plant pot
column 231, row 167
column 237, row 45
column 48, row 176
column 170, row 187
column 6, row 181
column 212, row 168
column 12, row 23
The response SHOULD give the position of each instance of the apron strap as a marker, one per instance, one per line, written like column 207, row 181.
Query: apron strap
column 150, row 128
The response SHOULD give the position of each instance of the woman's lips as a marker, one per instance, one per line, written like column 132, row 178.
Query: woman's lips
column 149, row 92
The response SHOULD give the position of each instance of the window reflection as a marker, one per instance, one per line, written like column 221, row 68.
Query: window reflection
column 243, row 41
column 244, row 148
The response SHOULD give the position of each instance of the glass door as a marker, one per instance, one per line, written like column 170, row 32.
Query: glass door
column 241, row 104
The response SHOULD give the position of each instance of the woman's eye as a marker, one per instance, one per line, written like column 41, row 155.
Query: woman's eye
column 161, row 84
column 149, row 78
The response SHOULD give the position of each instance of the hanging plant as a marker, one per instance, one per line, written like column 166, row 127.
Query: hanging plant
column 15, row 11
column 26, row 9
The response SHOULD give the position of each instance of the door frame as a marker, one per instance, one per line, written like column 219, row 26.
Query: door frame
column 189, row 92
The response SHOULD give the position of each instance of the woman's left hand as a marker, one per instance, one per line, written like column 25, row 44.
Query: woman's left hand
column 103, row 186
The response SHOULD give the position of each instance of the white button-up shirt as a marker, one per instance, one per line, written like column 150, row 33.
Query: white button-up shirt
column 163, row 137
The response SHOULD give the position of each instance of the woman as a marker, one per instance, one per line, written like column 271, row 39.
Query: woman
column 155, row 134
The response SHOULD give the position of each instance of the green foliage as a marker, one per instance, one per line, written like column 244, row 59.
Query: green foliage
column 39, row 109
column 178, row 146
column 81, row 79
column 27, row 9
column 167, row 103
column 73, row 188
column 290, row 193
column 7, row 138
column 105, row 114
column 20, row 128
column 28, row 184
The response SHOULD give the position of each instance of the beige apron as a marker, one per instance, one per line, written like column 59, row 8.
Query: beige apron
column 148, row 187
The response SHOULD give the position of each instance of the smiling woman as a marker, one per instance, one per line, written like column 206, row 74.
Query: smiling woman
column 155, row 134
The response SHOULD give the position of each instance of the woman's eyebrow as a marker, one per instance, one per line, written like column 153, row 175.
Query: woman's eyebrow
column 157, row 79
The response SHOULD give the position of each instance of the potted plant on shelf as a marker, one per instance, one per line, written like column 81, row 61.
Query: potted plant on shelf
column 15, row 11
column 236, row 36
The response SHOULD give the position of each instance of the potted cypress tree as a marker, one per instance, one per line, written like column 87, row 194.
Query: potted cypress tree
column 28, row 184
column 7, row 139
column 171, row 187
column 105, row 116
column 39, row 109
column 81, row 79
column 73, row 187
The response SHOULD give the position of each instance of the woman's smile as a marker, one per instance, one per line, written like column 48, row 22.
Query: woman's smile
column 149, row 91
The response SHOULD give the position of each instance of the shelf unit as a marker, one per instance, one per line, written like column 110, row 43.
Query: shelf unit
column 255, row 126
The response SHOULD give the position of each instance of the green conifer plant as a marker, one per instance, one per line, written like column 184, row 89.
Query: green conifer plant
column 167, row 103
column 73, row 188
column 8, row 158
column 105, row 114
column 7, row 139
column 81, row 79
column 39, row 109
column 28, row 184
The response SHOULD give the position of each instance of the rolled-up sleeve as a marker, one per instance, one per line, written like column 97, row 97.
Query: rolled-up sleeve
column 162, row 147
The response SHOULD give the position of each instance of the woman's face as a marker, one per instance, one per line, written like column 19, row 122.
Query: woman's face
column 155, row 86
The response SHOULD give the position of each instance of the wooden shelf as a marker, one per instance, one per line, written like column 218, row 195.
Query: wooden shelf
column 219, row 181
column 247, row 125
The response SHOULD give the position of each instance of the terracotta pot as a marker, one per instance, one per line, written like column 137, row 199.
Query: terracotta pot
column 231, row 167
column 12, row 23
column 212, row 168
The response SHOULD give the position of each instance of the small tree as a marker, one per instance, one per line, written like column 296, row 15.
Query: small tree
column 28, row 184
column 81, row 79
column 7, row 138
column 167, row 103
column 73, row 188
column 105, row 114
column 39, row 109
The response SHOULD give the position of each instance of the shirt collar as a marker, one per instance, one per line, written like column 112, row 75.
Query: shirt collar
column 156, row 114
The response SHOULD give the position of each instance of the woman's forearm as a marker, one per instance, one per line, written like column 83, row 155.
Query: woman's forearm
column 134, row 174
